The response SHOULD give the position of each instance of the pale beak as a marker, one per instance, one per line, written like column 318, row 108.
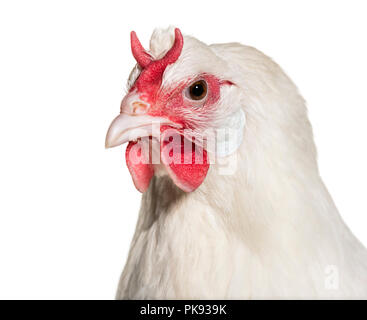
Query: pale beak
column 126, row 127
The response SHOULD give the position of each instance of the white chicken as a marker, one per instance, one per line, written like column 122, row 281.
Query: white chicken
column 250, row 218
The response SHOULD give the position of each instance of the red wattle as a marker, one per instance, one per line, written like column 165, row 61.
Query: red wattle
column 140, row 171
column 186, row 163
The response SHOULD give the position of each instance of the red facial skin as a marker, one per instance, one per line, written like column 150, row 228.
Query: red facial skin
column 173, row 104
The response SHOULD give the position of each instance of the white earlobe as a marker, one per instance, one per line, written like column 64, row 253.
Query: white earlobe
column 229, row 138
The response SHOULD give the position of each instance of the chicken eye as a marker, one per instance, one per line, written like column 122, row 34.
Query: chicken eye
column 197, row 90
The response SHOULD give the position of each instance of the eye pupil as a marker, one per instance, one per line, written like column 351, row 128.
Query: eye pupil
column 198, row 90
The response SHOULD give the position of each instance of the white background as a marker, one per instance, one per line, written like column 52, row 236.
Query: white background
column 68, row 207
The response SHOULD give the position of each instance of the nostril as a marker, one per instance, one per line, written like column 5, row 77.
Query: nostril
column 139, row 108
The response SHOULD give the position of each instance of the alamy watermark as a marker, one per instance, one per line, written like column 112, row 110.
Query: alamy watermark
column 187, row 147
column 331, row 281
